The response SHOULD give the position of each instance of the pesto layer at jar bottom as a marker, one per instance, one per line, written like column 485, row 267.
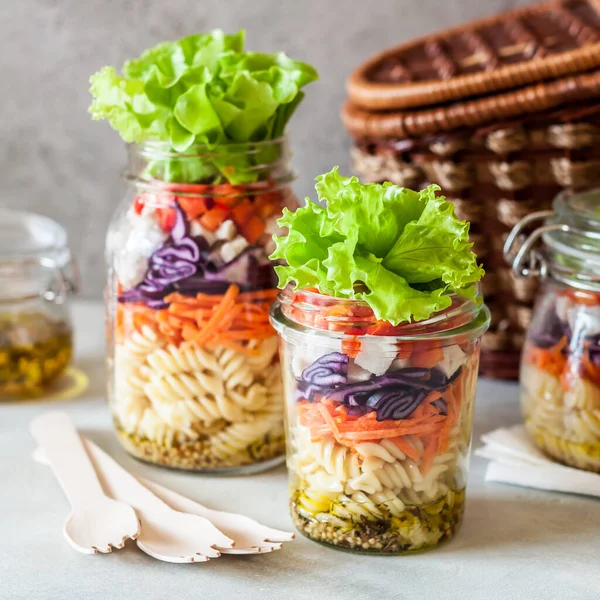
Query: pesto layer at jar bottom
column 361, row 528
column 34, row 350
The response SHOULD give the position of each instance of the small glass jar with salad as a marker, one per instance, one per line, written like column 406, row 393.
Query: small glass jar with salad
column 37, row 278
column 194, row 379
column 380, row 320
column 560, row 366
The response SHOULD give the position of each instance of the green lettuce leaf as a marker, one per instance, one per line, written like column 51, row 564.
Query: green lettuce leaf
column 436, row 246
column 403, row 252
column 383, row 210
column 203, row 89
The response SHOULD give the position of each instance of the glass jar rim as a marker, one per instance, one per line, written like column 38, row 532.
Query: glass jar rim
column 156, row 165
column 463, row 318
column 164, row 150
column 170, row 189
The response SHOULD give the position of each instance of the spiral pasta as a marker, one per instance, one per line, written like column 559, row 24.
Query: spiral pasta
column 142, row 342
column 222, row 399
column 172, row 360
column 564, row 423
column 239, row 436
column 377, row 470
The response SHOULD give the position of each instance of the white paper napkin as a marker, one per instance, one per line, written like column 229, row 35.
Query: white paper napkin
column 515, row 460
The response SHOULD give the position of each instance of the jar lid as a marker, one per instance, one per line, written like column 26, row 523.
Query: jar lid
column 33, row 252
column 25, row 234
column 570, row 251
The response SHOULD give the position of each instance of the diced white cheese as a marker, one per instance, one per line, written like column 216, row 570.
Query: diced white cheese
column 196, row 229
column 454, row 358
column 270, row 247
column 226, row 230
column 134, row 244
column 356, row 373
column 231, row 249
column 271, row 226
column 148, row 210
column 376, row 358
column 400, row 363
column 130, row 269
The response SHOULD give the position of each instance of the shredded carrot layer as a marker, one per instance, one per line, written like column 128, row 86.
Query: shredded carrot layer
column 351, row 346
column 227, row 320
column 132, row 317
column 326, row 418
column 552, row 360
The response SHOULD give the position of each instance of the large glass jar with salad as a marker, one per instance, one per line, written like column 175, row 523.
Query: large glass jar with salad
column 380, row 321
column 560, row 367
column 194, row 376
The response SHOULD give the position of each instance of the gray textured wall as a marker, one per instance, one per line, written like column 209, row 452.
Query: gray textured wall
column 56, row 161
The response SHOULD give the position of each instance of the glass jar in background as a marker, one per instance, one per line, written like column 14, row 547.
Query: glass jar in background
column 37, row 276
column 560, row 367
column 379, row 420
column 194, row 378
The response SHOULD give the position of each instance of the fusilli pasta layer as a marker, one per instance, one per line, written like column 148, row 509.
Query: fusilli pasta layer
column 372, row 468
column 374, row 497
column 216, row 405
column 564, row 423
column 580, row 455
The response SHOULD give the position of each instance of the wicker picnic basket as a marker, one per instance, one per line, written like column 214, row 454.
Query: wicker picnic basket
column 503, row 114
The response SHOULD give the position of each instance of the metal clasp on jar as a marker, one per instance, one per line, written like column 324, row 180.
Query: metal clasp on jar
column 521, row 252
column 65, row 285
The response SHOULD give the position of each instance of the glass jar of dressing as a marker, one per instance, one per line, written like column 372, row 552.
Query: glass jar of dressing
column 560, row 368
column 37, row 276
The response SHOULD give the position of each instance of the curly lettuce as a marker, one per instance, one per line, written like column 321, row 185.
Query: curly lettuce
column 403, row 252
column 204, row 89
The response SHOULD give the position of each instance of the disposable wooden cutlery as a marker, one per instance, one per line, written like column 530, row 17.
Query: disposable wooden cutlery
column 250, row 537
column 96, row 523
column 165, row 533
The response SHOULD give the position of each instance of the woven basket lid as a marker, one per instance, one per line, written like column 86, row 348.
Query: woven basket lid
column 529, row 100
column 511, row 50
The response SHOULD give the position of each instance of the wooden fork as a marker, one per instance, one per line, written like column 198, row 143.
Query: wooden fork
column 96, row 523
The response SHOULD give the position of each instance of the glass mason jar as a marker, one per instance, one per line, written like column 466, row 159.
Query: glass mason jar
column 37, row 276
column 379, row 420
column 560, row 366
column 194, row 377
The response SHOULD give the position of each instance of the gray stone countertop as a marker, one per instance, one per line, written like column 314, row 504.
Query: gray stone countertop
column 515, row 543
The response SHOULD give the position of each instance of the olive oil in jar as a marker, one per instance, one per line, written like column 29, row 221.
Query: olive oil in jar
column 34, row 350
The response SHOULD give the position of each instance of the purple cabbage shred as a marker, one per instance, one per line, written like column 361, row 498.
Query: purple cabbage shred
column 394, row 395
